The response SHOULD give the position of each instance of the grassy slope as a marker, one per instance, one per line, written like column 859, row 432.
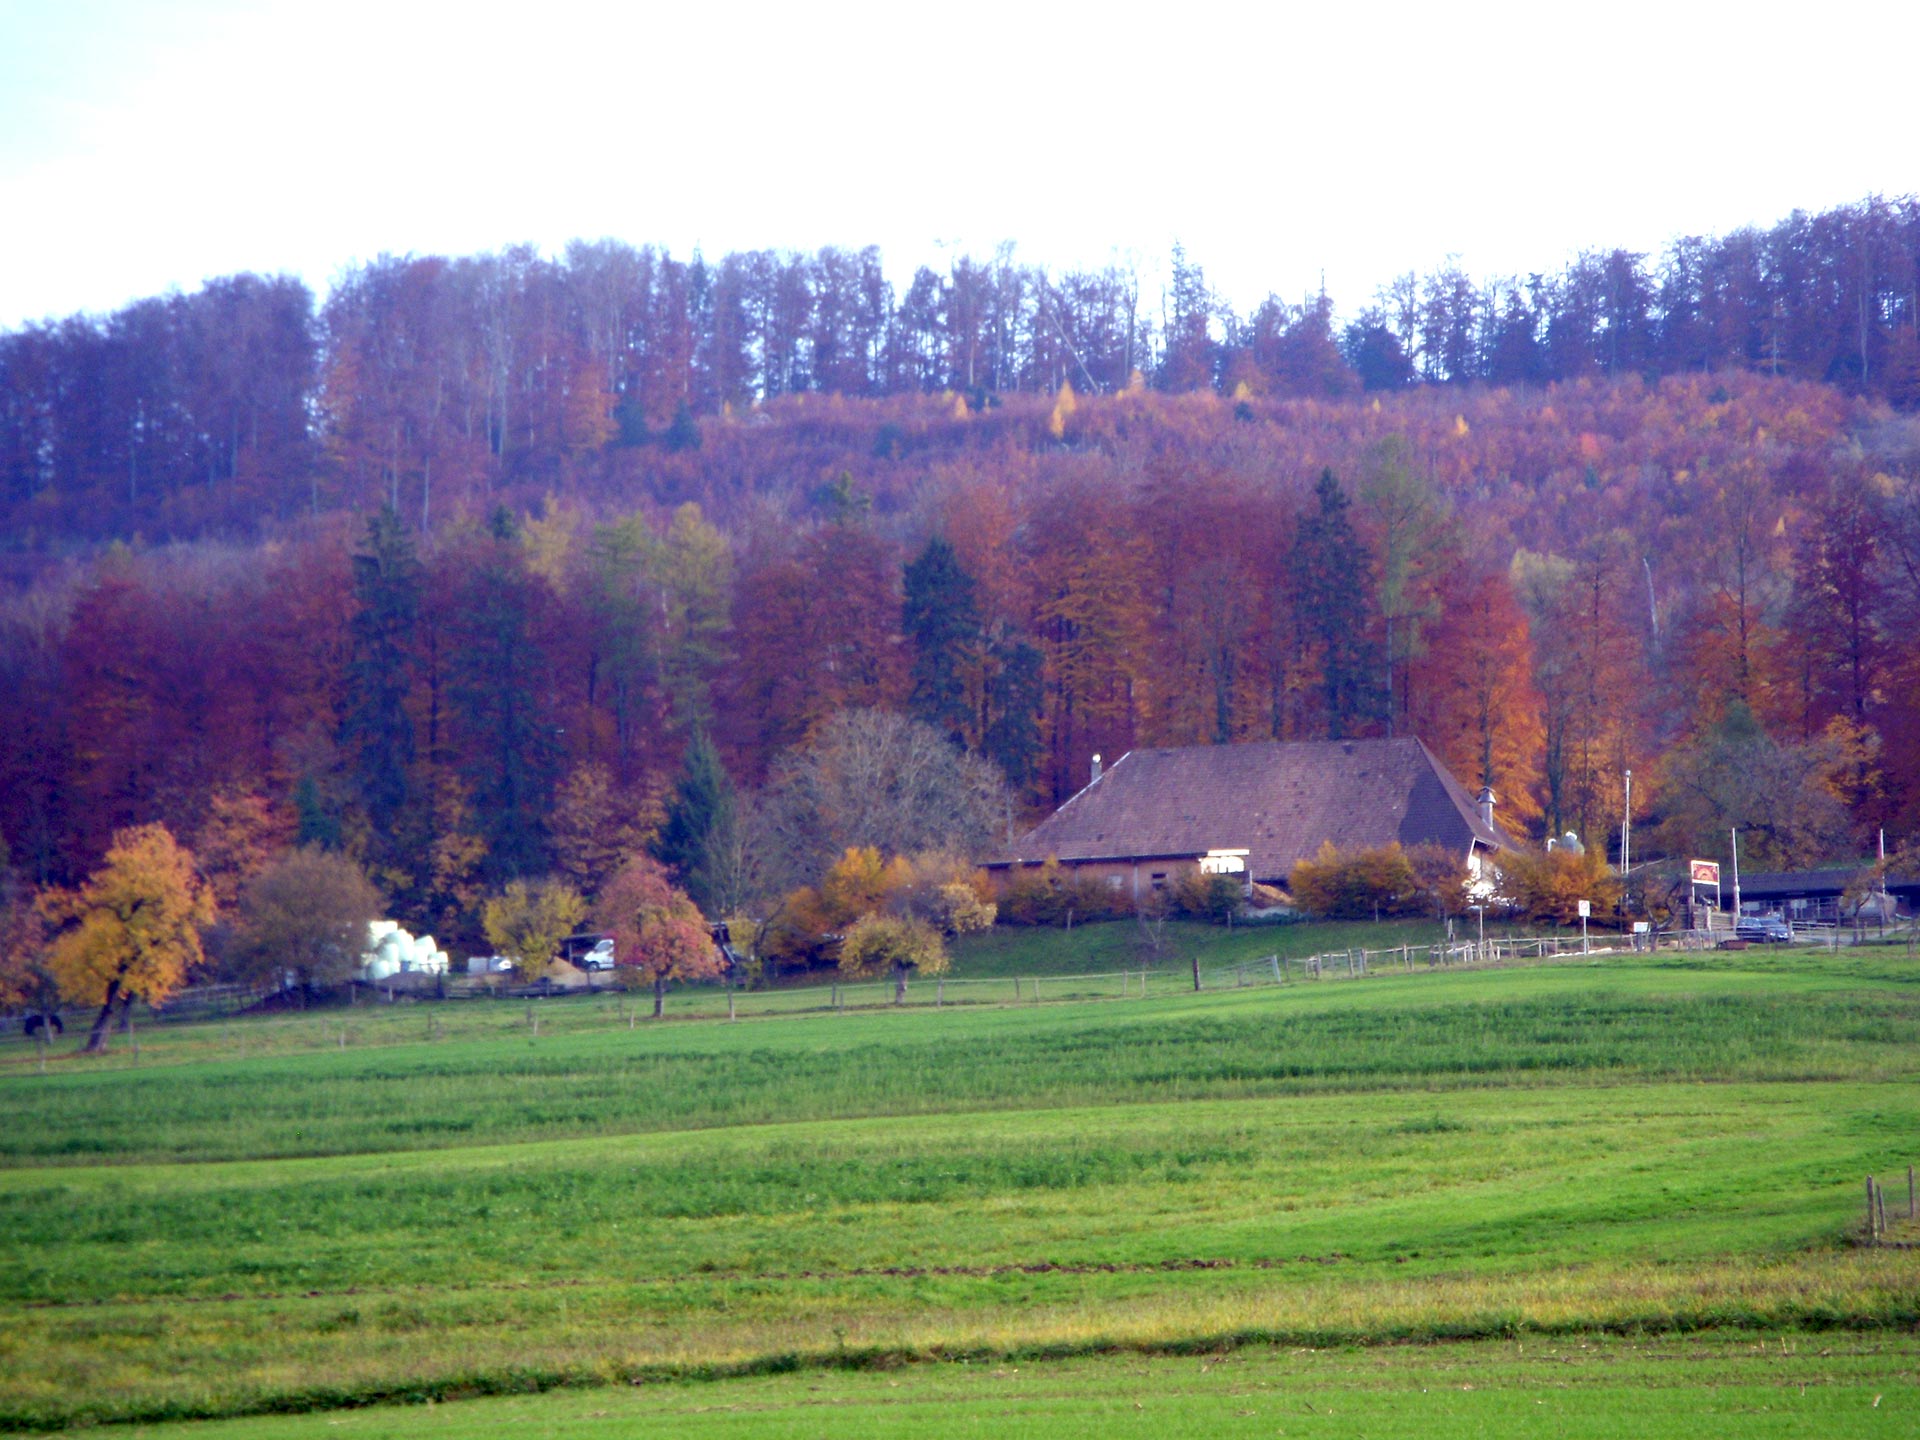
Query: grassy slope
column 586, row 1073
column 1743, row 1387
column 1357, row 1160
column 1120, row 945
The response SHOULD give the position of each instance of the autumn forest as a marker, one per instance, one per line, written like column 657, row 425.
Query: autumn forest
column 450, row 570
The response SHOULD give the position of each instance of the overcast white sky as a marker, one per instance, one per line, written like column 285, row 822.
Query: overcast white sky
column 151, row 145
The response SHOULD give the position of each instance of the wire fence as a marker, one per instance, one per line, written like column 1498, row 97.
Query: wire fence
column 1166, row 976
column 1892, row 1228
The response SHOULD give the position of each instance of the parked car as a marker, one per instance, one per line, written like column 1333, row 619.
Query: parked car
column 600, row 957
column 1767, row 929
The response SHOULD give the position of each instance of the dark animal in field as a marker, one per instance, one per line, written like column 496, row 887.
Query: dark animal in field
column 50, row 1023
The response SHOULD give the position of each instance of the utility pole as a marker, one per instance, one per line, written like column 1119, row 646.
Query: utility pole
column 1735, row 833
column 1882, row 906
column 1626, row 843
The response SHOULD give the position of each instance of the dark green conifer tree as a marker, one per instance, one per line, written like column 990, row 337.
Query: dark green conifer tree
column 377, row 731
column 1015, row 698
column 941, row 620
column 1331, row 584
column 697, row 840
column 511, row 748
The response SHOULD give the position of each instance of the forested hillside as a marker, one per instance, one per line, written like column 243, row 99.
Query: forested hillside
column 435, row 383
column 450, row 573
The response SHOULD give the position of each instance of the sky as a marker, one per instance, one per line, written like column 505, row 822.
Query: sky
column 148, row 146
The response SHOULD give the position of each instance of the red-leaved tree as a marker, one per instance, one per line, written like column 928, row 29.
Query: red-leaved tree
column 657, row 931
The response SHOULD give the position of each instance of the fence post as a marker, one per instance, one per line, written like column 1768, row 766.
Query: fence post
column 1036, row 989
column 1274, row 960
column 1196, row 972
column 1873, row 1229
column 1912, row 1214
column 940, row 992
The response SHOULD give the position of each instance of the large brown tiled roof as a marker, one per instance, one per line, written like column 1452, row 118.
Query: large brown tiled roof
column 1280, row 801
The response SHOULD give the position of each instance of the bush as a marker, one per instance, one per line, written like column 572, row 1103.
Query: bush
column 947, row 891
column 1357, row 884
column 1549, row 885
column 1051, row 895
column 1215, row 899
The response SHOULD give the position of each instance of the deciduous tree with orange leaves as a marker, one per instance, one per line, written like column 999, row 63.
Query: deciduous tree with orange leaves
column 132, row 931
column 1474, row 701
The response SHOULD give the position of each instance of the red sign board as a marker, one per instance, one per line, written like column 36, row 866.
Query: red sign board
column 1705, row 872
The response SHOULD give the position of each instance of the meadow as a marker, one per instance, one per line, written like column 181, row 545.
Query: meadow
column 258, row 1218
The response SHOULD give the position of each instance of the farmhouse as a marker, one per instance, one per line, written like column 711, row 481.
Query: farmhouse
column 1253, row 810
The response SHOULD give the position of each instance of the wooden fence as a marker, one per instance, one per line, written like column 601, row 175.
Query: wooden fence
column 1879, row 1230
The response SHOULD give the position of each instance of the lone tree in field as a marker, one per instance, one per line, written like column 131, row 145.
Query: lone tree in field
column 526, row 923
column 658, row 935
column 133, row 930
column 893, row 944
column 306, row 913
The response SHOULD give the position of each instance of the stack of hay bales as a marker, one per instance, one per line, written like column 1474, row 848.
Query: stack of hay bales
column 392, row 951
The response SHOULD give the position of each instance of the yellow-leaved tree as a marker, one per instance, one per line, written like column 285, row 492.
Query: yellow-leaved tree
column 1550, row 884
column 526, row 923
column 133, row 930
column 1355, row 884
column 893, row 944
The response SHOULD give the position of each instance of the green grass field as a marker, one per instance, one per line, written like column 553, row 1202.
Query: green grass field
column 1732, row 1385
column 745, row 1217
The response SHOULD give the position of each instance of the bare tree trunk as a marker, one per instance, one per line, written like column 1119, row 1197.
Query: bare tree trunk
column 97, row 1037
column 659, row 995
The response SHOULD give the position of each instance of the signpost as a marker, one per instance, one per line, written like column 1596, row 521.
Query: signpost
column 1586, row 909
column 1703, row 872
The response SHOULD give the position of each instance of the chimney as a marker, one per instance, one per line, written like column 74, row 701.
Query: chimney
column 1486, row 806
column 1096, row 766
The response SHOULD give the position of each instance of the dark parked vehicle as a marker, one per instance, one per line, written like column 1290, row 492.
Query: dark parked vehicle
column 1766, row 929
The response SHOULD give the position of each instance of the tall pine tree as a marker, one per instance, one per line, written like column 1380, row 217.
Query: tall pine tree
column 1016, row 695
column 377, row 731
column 511, row 747
column 942, row 620
column 697, row 840
column 1331, row 585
